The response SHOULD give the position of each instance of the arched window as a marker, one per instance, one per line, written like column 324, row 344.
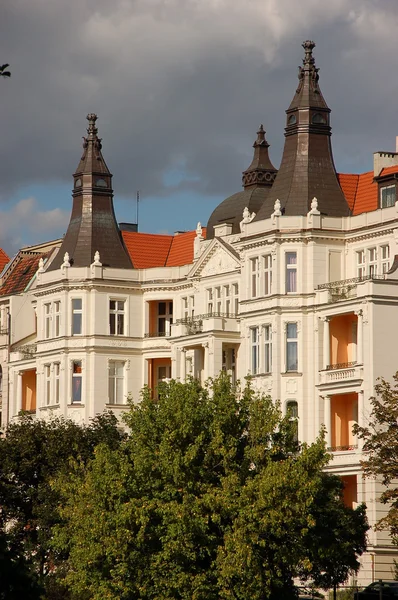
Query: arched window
column 292, row 120
column 318, row 118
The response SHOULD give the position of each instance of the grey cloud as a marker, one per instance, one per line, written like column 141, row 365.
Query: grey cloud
column 186, row 82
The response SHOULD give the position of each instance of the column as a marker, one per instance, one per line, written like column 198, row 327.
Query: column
column 328, row 420
column 326, row 342
column 205, row 347
column 19, row 392
column 359, row 357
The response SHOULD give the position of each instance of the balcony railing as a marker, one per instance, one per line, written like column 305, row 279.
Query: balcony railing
column 211, row 315
column 347, row 365
column 346, row 288
column 27, row 350
column 343, row 448
column 153, row 334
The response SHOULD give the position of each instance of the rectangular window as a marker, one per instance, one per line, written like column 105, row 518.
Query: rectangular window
column 235, row 298
column 47, row 384
column 267, row 272
column 116, row 382
column 185, row 313
column 292, row 413
column 164, row 372
column 210, row 301
column 255, row 350
column 372, row 261
column 254, row 276
column 116, row 317
column 56, row 382
column 47, row 321
column 291, row 272
column 385, row 258
column 387, row 196
column 57, row 318
column 291, row 347
column 77, row 316
column 267, row 348
column 361, row 263
column 218, row 300
column 77, row 381
column 165, row 317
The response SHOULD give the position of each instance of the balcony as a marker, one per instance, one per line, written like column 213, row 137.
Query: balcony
column 155, row 334
column 206, row 322
column 341, row 373
column 24, row 352
column 347, row 288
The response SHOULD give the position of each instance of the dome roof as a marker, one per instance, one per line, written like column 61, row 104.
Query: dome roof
column 256, row 180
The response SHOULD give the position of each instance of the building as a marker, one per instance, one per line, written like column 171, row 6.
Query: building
column 294, row 281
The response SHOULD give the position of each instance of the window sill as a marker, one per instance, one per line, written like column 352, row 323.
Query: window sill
column 116, row 405
column 76, row 405
column 291, row 374
column 262, row 375
column 49, row 406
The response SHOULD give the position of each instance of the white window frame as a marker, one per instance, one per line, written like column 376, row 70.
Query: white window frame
column 372, row 261
column 385, row 258
column 117, row 315
column 76, row 375
column 47, row 384
column 57, row 382
column 291, row 342
column 255, row 350
column 255, row 277
column 210, row 301
column 267, row 274
column 167, row 317
column 289, row 269
column 113, row 379
column 235, row 298
column 76, row 311
column 293, row 415
column 361, row 264
column 47, row 320
column 57, row 318
column 267, row 345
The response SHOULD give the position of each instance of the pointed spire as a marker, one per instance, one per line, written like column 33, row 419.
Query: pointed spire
column 261, row 171
column 93, row 227
column 307, row 168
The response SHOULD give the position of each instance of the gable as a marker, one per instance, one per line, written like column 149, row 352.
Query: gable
column 218, row 258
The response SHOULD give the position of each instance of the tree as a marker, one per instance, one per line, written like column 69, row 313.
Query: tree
column 210, row 497
column 32, row 453
column 4, row 72
column 381, row 446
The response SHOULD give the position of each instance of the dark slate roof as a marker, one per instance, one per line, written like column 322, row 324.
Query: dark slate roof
column 93, row 225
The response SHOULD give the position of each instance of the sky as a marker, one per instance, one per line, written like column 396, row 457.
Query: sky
column 180, row 88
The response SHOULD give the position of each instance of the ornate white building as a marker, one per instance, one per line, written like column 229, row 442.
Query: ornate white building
column 293, row 281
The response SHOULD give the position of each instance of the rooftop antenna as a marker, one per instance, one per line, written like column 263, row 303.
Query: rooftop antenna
column 138, row 203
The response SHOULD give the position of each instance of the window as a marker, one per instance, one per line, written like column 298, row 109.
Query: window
column 291, row 347
column 188, row 307
column 361, row 263
column 267, row 273
column 77, row 381
column 47, row 321
column 164, row 372
column 372, row 261
column 165, row 317
column 235, row 298
column 227, row 300
column 116, row 382
column 116, row 317
column 218, row 300
column 291, row 272
column 254, row 269
column 292, row 413
column 267, row 348
column 210, row 302
column 57, row 318
column 77, row 314
column 385, row 258
column 57, row 368
column 254, row 350
column 387, row 196
column 47, row 384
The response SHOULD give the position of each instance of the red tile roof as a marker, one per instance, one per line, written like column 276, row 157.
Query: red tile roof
column 4, row 259
column 156, row 250
column 20, row 273
column 361, row 191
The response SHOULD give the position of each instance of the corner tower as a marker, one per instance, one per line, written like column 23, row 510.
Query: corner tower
column 307, row 168
column 92, row 225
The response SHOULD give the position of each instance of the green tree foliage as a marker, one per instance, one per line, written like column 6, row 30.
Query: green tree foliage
column 32, row 453
column 4, row 72
column 381, row 445
column 210, row 497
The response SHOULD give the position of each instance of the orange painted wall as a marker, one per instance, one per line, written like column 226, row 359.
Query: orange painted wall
column 344, row 409
column 153, row 313
column 153, row 365
column 350, row 490
column 29, row 390
column 342, row 339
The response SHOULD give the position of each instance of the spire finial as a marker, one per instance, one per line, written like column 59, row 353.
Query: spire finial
column 308, row 46
column 260, row 137
column 92, row 129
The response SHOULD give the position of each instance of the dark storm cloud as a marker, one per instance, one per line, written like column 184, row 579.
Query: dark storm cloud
column 182, row 85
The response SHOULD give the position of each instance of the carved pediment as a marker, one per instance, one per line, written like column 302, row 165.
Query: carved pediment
column 218, row 258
